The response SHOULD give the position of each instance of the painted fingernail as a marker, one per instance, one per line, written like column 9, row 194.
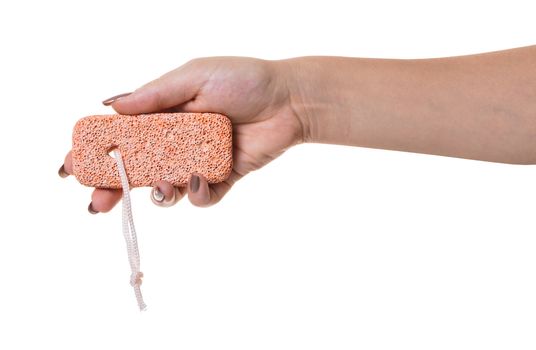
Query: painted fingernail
column 112, row 99
column 91, row 210
column 62, row 173
column 194, row 183
column 157, row 195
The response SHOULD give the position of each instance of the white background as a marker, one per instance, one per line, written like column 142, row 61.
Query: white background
column 327, row 247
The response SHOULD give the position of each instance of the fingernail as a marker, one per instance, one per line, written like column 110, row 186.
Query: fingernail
column 91, row 210
column 157, row 195
column 62, row 173
column 112, row 99
column 194, row 183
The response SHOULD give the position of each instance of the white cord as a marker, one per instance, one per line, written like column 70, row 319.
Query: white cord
column 129, row 232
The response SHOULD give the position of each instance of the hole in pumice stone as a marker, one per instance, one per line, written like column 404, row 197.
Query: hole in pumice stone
column 111, row 151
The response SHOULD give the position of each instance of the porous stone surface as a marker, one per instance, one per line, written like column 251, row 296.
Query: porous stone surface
column 164, row 146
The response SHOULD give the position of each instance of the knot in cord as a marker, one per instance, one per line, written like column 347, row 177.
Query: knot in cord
column 136, row 278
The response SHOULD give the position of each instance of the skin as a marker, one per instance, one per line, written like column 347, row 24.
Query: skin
column 480, row 107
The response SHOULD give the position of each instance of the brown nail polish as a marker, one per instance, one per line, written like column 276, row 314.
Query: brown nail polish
column 91, row 210
column 112, row 99
column 62, row 173
column 194, row 183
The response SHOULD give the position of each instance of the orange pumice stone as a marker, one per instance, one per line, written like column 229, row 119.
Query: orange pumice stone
column 164, row 146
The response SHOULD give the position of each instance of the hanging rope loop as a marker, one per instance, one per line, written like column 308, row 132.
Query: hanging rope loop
column 129, row 232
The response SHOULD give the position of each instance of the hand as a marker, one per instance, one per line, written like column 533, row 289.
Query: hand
column 253, row 93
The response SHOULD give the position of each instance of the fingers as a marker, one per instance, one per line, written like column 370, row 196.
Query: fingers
column 165, row 194
column 66, row 168
column 103, row 200
column 172, row 89
column 199, row 191
column 201, row 194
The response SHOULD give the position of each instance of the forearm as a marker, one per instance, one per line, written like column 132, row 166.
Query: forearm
column 478, row 107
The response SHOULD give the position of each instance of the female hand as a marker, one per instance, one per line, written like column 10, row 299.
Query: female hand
column 475, row 106
column 253, row 93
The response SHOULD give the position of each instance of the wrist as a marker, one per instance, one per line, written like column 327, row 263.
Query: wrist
column 319, row 97
column 298, row 94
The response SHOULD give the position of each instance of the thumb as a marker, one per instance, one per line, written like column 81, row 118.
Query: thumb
column 172, row 89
